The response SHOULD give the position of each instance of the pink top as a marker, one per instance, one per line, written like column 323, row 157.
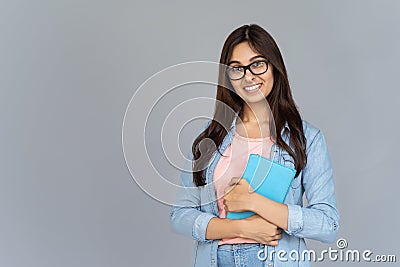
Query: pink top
column 233, row 165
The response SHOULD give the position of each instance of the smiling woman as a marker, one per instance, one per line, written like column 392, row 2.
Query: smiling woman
column 255, row 113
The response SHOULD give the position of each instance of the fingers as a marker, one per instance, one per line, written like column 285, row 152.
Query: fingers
column 276, row 237
column 234, row 181
column 225, row 206
column 273, row 243
column 228, row 189
column 270, row 243
column 272, row 240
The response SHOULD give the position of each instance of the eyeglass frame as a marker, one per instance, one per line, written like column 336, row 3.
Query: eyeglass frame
column 247, row 67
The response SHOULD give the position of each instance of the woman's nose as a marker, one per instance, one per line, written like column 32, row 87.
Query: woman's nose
column 249, row 76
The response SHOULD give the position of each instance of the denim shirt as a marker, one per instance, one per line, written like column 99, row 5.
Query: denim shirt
column 319, row 219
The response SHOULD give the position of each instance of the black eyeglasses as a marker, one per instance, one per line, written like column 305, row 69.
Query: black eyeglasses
column 238, row 72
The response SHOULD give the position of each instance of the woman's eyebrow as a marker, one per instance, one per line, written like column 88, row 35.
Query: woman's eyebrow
column 236, row 61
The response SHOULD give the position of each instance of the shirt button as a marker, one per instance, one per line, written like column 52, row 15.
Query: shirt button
column 269, row 264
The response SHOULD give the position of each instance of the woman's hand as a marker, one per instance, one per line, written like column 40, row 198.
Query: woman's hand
column 239, row 195
column 257, row 228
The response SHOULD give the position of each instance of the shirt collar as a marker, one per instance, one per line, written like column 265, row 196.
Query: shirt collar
column 286, row 127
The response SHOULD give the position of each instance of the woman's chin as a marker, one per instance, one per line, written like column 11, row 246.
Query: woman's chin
column 255, row 99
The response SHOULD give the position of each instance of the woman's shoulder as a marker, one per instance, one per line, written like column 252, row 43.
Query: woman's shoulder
column 310, row 130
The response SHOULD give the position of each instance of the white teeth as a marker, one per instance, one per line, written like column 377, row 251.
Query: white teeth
column 254, row 87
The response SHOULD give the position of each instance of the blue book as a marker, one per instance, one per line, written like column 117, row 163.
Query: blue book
column 268, row 178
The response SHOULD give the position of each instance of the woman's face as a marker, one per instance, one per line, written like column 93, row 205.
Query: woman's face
column 251, row 88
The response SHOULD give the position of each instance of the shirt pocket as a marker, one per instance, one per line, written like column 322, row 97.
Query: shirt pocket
column 288, row 161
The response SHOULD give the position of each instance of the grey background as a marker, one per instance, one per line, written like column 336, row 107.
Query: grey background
column 69, row 68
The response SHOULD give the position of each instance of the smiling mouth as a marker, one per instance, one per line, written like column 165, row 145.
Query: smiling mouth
column 253, row 87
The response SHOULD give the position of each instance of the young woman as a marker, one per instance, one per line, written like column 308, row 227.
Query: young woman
column 255, row 113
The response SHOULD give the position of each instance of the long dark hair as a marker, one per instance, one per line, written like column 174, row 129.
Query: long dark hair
column 280, row 100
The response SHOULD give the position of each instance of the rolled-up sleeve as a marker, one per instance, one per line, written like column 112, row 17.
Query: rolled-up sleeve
column 320, row 219
column 200, row 226
column 295, row 219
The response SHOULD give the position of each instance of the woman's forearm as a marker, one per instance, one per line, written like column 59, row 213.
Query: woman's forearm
column 254, row 227
column 219, row 228
column 275, row 212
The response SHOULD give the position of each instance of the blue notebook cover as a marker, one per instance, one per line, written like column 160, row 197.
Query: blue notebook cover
column 267, row 178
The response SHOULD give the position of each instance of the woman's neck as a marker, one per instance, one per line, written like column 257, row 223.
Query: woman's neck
column 255, row 113
column 254, row 120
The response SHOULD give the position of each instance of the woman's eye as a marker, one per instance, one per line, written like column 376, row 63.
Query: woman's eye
column 258, row 64
column 237, row 69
